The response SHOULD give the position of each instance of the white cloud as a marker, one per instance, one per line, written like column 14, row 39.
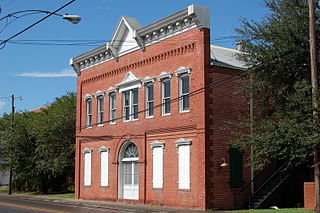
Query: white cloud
column 63, row 73
column 2, row 103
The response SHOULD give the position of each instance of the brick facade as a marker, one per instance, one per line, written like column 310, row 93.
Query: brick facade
column 202, row 124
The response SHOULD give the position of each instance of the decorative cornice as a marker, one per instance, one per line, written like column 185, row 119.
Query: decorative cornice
column 182, row 142
column 111, row 90
column 88, row 97
column 99, row 93
column 164, row 75
column 155, row 144
column 182, row 70
column 143, row 63
column 147, row 80
column 189, row 18
column 87, row 150
column 104, row 149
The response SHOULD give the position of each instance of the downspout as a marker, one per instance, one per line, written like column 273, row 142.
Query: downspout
column 251, row 132
column 145, row 168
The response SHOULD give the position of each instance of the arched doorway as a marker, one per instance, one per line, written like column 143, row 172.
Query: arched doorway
column 129, row 171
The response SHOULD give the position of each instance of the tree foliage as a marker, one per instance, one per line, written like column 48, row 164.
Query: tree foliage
column 277, row 54
column 41, row 145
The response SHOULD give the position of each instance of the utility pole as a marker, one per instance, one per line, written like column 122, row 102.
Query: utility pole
column 314, row 83
column 12, row 128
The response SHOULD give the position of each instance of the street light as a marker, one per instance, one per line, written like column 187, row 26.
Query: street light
column 74, row 19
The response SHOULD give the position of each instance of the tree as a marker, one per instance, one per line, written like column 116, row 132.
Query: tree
column 41, row 146
column 277, row 54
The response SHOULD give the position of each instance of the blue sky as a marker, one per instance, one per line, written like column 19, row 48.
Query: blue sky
column 40, row 73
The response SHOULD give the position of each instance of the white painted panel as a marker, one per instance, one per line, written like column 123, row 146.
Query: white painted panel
column 184, row 167
column 87, row 169
column 157, row 181
column 104, row 168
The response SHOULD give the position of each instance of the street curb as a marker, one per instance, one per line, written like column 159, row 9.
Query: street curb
column 103, row 204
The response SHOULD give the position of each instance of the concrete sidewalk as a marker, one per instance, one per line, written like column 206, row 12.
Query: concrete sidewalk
column 103, row 204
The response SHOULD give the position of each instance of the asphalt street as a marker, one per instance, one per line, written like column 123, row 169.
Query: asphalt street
column 18, row 205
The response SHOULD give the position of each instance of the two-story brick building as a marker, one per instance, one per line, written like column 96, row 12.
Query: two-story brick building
column 151, row 107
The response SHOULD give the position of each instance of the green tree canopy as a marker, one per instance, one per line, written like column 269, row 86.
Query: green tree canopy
column 41, row 145
column 277, row 54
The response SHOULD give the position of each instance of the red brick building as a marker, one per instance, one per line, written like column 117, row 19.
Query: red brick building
column 151, row 107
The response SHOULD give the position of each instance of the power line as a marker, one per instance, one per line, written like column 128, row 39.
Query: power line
column 32, row 25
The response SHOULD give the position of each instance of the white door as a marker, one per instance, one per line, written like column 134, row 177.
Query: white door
column 130, row 180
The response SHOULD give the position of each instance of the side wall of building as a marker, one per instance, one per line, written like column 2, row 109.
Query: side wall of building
column 224, row 104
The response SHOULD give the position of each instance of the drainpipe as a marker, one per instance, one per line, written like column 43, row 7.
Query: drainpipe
column 145, row 168
column 251, row 132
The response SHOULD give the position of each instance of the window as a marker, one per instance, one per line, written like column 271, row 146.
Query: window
column 157, row 164
column 149, row 100
column 130, row 105
column 87, row 167
column 236, row 167
column 184, row 163
column 166, row 97
column 88, row 112
column 100, row 100
column 104, row 152
column 112, row 103
column 184, row 93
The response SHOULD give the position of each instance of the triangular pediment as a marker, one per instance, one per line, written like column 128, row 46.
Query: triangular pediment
column 129, row 81
column 123, row 37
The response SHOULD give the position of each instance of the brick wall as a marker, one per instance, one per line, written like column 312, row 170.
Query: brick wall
column 309, row 196
column 224, row 104
column 189, row 49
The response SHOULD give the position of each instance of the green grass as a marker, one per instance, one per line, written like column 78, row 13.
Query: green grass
column 293, row 210
column 64, row 195
column 3, row 190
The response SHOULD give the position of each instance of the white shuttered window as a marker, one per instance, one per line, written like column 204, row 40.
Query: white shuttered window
column 87, row 168
column 157, row 172
column 184, row 166
column 104, row 168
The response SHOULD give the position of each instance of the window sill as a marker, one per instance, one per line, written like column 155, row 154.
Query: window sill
column 185, row 190
column 149, row 117
column 88, row 127
column 100, row 125
column 130, row 120
column 166, row 114
column 185, row 111
column 112, row 123
column 157, row 189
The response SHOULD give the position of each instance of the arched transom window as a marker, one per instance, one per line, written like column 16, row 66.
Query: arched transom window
column 131, row 151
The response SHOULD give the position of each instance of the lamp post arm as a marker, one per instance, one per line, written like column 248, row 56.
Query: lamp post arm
column 37, row 22
column 25, row 11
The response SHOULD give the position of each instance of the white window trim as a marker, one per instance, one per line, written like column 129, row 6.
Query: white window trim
column 180, row 93
column 179, row 143
column 100, row 94
column 112, row 121
column 131, row 105
column 88, row 98
column 104, row 183
column 162, row 97
column 147, row 101
column 86, row 182
column 157, row 144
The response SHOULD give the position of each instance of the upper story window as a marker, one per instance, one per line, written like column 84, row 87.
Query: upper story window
column 184, row 93
column 183, row 74
column 166, row 97
column 165, row 77
column 129, row 89
column 100, row 107
column 89, row 100
column 149, row 100
column 113, row 109
column 130, row 105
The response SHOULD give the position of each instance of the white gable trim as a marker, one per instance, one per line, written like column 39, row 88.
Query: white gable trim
column 130, row 81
